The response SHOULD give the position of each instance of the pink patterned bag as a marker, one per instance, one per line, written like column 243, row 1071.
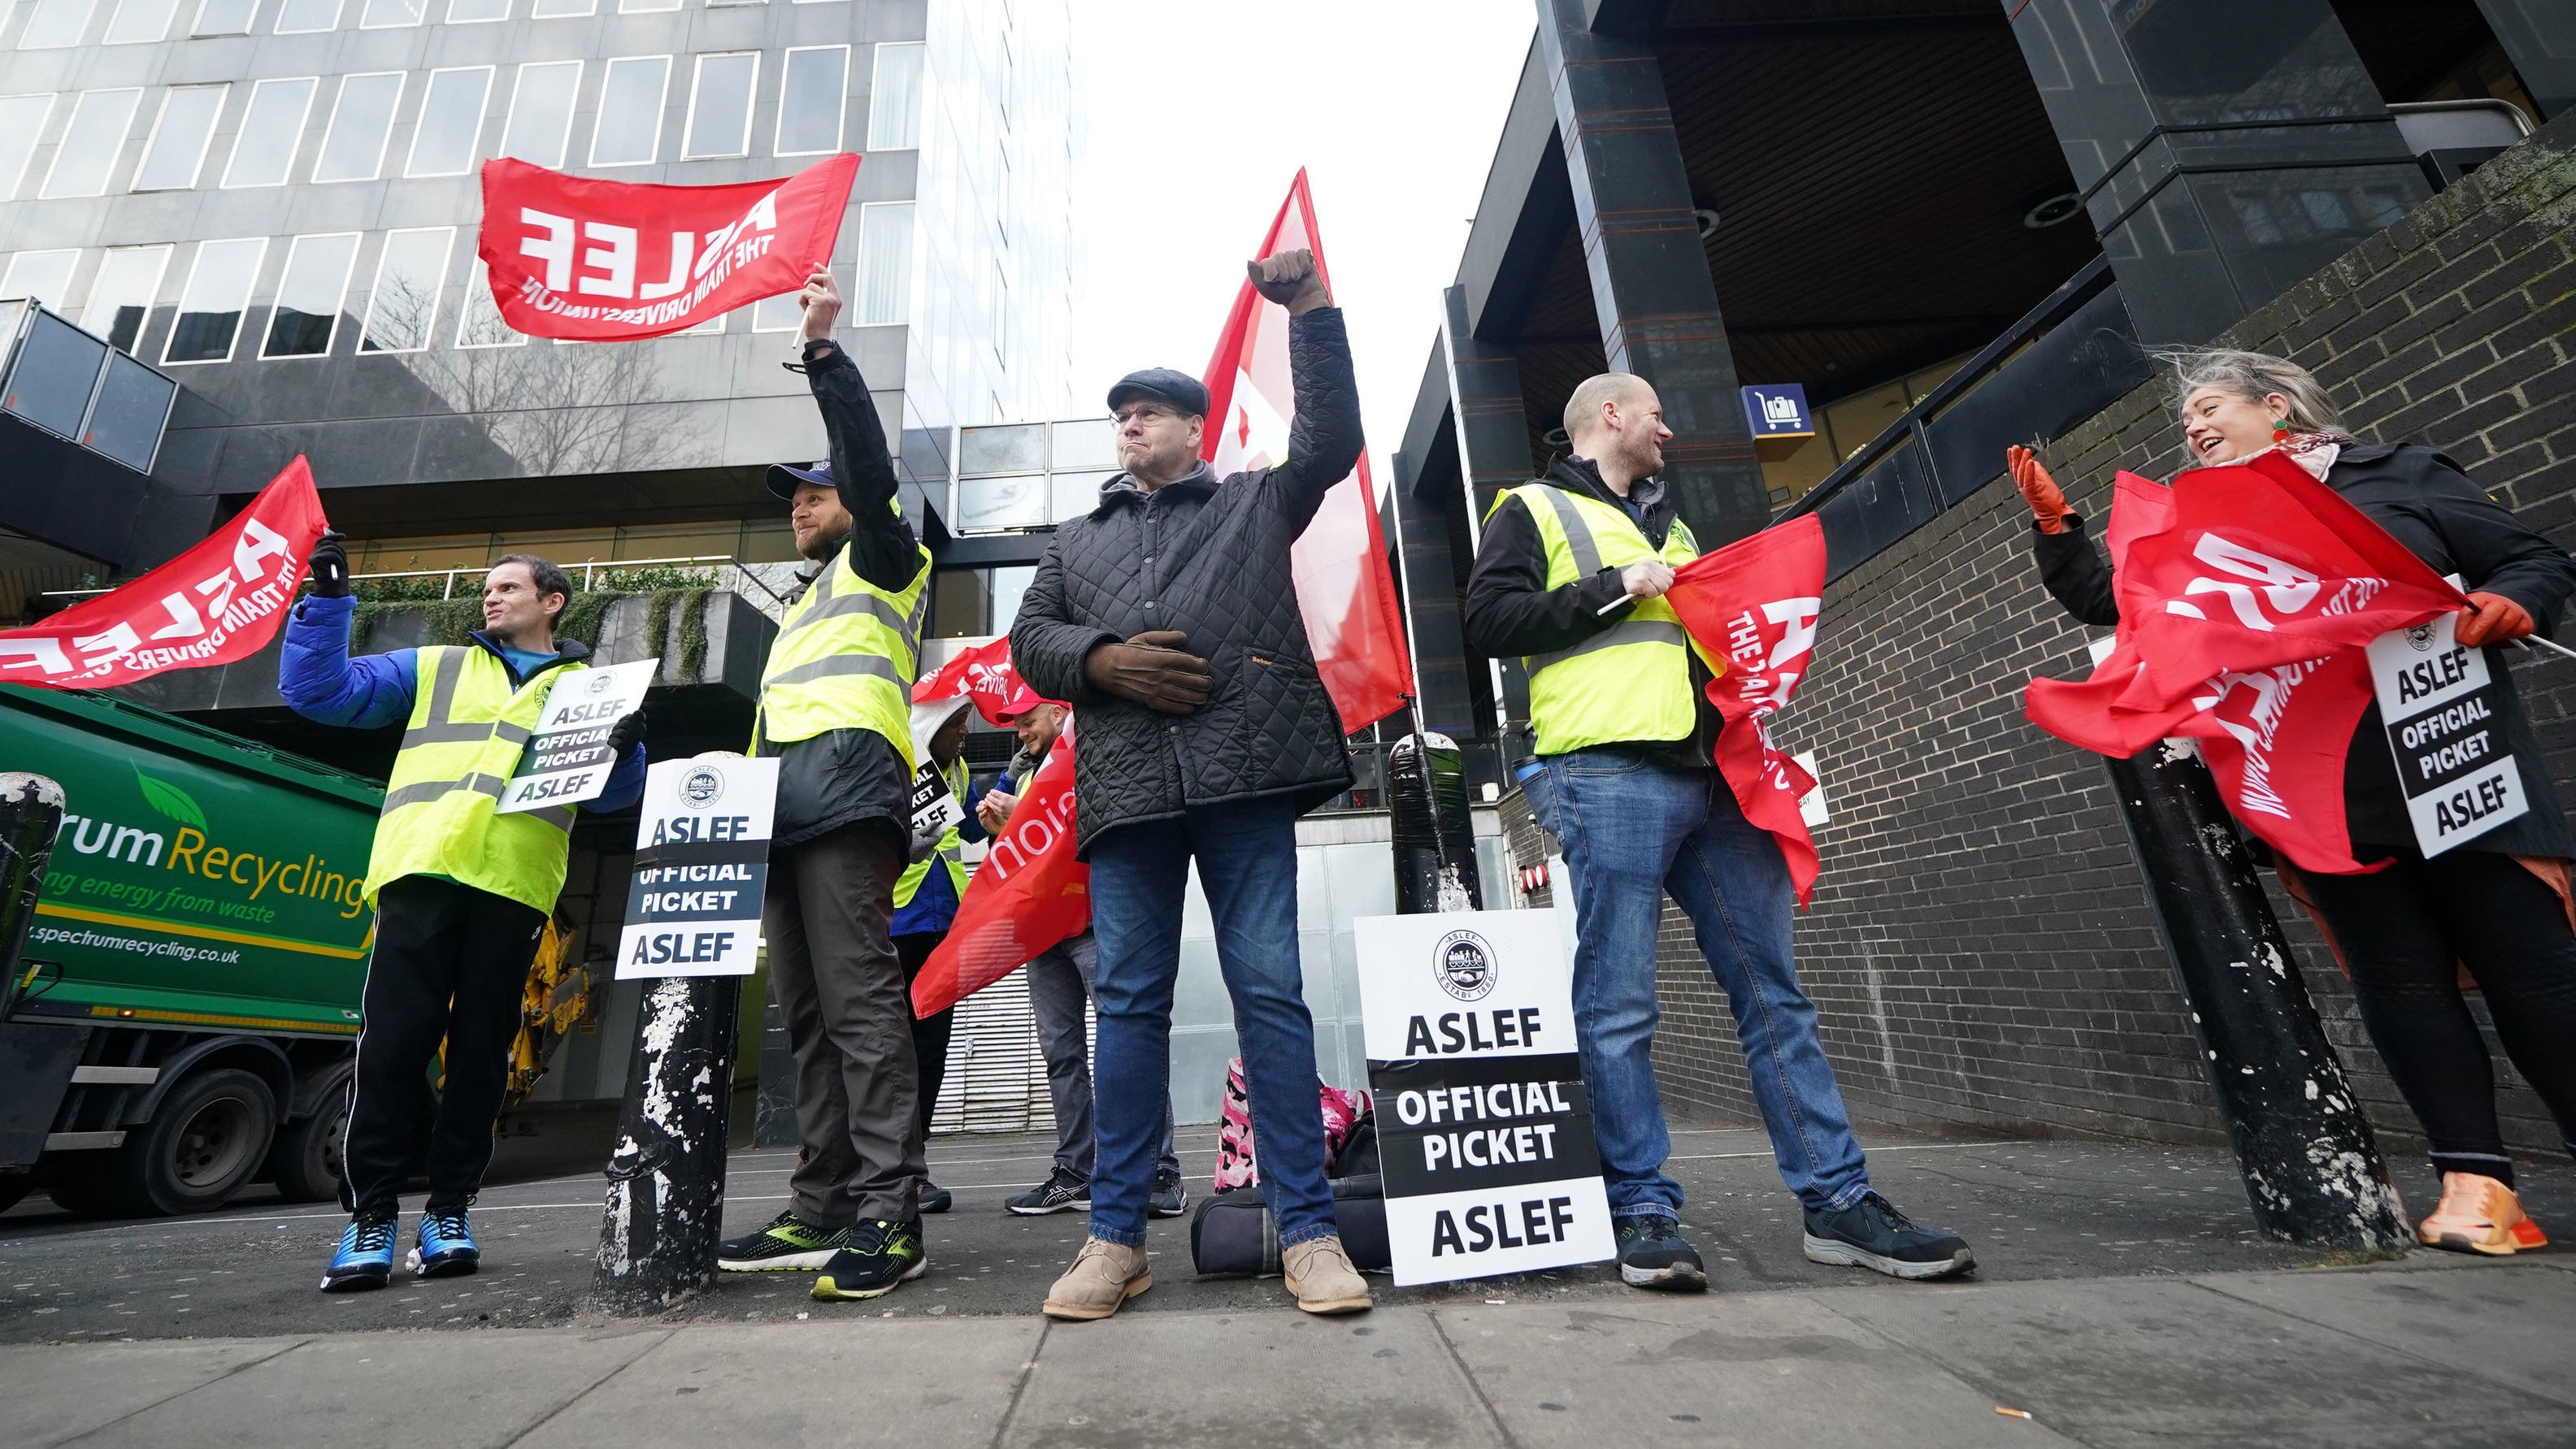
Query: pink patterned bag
column 1236, row 1163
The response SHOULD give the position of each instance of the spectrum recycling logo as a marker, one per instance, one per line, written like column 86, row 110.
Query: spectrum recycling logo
column 1464, row 963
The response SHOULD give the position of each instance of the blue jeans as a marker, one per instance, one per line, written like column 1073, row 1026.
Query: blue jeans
column 1247, row 857
column 1632, row 831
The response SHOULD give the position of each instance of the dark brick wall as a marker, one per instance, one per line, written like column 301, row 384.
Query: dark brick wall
column 1981, row 947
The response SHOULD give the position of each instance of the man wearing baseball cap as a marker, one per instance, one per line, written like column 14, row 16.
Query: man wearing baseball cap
column 836, row 710
column 1168, row 618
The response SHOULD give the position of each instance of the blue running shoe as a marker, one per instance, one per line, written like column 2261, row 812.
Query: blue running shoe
column 446, row 1247
column 365, row 1259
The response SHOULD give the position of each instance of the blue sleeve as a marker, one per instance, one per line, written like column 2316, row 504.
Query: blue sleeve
column 625, row 785
column 319, row 681
column 971, row 829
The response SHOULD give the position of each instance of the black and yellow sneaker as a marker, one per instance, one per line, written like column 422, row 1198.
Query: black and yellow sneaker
column 880, row 1256
column 788, row 1244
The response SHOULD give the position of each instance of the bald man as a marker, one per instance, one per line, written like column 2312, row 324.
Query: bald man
column 1571, row 575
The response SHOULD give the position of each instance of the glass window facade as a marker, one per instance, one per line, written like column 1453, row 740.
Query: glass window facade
column 810, row 97
column 894, row 100
column 140, row 22
column 223, row 17
column 475, row 12
column 22, row 121
column 297, row 17
column 885, row 263
column 720, row 96
column 177, row 150
column 540, row 124
column 308, row 295
column 362, row 120
column 271, row 130
column 46, row 276
column 55, row 24
column 218, row 292
column 630, row 111
column 87, row 155
column 451, row 121
column 120, row 301
column 403, row 311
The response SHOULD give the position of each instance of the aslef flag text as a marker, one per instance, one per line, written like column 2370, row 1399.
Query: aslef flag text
column 985, row 675
column 1339, row 564
column 218, row 603
column 1752, row 607
column 1029, row 893
column 585, row 260
column 2248, row 596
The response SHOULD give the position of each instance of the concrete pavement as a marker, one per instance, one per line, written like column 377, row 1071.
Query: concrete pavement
column 2431, row 1350
column 2120, row 1299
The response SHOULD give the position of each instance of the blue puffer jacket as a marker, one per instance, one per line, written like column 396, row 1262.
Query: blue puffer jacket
column 321, row 682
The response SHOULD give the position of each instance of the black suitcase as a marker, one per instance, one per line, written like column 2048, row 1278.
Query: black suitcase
column 1232, row 1233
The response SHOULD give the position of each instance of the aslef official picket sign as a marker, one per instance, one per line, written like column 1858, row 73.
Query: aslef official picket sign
column 701, row 864
column 1484, row 1129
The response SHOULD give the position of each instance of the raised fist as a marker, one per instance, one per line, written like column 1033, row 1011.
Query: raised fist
column 1290, row 279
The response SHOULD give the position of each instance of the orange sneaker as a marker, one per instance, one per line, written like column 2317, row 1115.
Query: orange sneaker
column 2479, row 1215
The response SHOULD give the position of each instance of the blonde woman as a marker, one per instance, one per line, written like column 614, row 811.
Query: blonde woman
column 2498, row 904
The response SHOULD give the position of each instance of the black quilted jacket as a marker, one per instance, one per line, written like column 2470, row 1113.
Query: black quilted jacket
column 1209, row 558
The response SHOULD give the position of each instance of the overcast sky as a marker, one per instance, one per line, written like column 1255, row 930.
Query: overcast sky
column 1200, row 115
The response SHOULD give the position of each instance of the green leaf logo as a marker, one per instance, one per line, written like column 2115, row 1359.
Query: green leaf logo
column 170, row 800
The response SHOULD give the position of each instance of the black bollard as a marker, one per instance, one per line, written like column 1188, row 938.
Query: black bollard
column 31, row 814
column 666, row 1177
column 2312, row 1170
column 1433, row 832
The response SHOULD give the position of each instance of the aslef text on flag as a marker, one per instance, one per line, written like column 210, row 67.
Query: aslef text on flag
column 2248, row 595
column 580, row 259
column 218, row 603
column 1753, row 608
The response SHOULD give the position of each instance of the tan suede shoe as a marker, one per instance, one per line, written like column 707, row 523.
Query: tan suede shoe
column 1321, row 1276
column 1104, row 1275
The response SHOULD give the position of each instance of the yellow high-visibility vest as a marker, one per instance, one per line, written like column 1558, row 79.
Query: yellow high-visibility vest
column 441, row 814
column 844, row 659
column 1631, row 681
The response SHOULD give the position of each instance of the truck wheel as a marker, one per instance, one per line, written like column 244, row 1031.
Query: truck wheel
column 202, row 1144
column 305, row 1163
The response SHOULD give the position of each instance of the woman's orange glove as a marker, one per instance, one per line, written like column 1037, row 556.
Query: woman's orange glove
column 2047, row 501
column 2493, row 619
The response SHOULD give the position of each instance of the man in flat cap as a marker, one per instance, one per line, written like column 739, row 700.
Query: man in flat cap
column 1168, row 617
column 836, row 711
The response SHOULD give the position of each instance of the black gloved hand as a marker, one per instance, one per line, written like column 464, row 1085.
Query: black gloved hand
column 329, row 566
column 627, row 733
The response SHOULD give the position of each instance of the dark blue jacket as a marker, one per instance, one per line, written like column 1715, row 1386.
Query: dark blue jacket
column 321, row 682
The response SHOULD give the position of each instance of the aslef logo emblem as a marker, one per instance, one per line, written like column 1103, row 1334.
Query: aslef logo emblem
column 1464, row 964
column 701, row 788
column 2420, row 638
column 601, row 683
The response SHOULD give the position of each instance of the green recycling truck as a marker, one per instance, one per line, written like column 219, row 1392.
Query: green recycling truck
column 184, row 1016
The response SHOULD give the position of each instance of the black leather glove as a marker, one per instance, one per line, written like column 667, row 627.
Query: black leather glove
column 1151, row 670
column 627, row 733
column 329, row 566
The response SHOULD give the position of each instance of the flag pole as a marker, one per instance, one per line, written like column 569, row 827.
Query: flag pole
column 2546, row 643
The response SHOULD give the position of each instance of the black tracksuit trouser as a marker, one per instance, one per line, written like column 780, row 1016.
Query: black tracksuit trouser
column 930, row 1033
column 2403, row 933
column 451, row 963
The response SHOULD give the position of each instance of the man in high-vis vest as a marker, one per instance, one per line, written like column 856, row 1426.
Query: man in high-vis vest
column 462, row 892
column 927, row 893
column 1570, row 575
column 836, row 712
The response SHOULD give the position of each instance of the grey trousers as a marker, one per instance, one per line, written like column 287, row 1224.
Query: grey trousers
column 849, row 1023
column 1060, row 985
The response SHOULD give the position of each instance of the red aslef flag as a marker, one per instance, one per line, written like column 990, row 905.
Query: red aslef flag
column 1343, row 586
column 986, row 675
column 1028, row 894
column 1752, row 607
column 2247, row 595
column 218, row 603
column 586, row 260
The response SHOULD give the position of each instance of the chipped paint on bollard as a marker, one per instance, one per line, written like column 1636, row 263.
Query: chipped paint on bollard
column 2312, row 1170
column 666, row 1177
column 31, row 814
